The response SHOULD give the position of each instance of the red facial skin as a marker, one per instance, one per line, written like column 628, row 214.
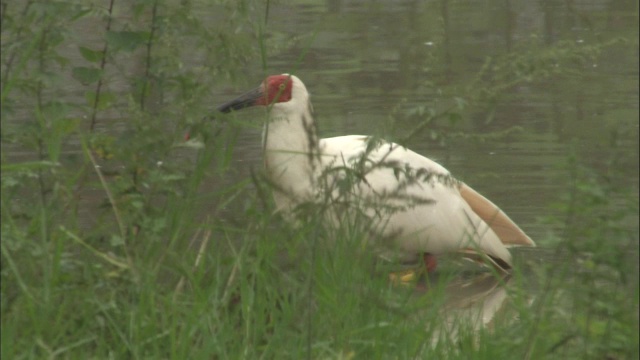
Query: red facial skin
column 276, row 86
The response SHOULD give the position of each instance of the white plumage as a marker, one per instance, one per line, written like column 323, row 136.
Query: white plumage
column 413, row 202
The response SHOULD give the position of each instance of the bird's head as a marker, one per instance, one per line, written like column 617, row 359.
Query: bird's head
column 282, row 93
column 278, row 91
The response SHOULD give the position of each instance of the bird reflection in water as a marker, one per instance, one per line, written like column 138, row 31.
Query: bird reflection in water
column 472, row 301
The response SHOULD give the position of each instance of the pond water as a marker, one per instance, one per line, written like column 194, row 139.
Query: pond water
column 368, row 63
column 372, row 66
column 365, row 62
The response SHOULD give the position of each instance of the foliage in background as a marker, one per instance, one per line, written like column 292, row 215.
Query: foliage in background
column 151, row 277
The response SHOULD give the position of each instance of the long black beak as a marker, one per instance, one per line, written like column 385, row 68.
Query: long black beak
column 243, row 101
column 246, row 100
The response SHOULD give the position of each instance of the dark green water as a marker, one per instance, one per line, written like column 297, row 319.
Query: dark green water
column 367, row 63
column 360, row 60
column 370, row 65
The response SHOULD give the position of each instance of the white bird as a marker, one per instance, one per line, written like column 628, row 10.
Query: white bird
column 416, row 206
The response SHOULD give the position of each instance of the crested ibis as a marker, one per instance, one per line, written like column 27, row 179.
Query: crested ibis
column 419, row 208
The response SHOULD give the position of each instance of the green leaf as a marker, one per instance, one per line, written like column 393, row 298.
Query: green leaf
column 60, row 129
column 58, row 126
column 105, row 100
column 81, row 12
column 116, row 240
column 461, row 103
column 28, row 166
column 86, row 75
column 54, row 110
column 127, row 40
column 93, row 56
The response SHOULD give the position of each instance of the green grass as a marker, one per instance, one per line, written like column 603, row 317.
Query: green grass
column 63, row 299
column 158, row 265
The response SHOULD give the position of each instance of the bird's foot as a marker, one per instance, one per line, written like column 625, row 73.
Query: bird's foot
column 411, row 276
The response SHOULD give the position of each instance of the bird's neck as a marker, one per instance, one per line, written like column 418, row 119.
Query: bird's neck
column 291, row 150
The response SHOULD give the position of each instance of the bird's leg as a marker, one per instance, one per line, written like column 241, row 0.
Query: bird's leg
column 430, row 262
column 409, row 276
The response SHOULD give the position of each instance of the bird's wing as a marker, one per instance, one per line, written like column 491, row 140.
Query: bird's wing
column 440, row 221
column 508, row 232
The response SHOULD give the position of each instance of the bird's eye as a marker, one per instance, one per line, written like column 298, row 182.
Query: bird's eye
column 281, row 86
